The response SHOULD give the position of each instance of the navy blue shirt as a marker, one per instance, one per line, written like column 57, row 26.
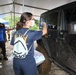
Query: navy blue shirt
column 32, row 36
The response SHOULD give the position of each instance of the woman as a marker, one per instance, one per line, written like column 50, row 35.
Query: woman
column 27, row 66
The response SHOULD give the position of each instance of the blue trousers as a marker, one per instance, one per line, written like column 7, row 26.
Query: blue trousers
column 25, row 66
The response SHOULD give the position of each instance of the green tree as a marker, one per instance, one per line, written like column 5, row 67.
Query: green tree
column 37, row 22
column 36, row 25
column 11, row 20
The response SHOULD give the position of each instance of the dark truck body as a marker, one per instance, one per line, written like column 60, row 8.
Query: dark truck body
column 61, row 42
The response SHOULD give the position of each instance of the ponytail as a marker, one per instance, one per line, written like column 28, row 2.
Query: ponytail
column 19, row 25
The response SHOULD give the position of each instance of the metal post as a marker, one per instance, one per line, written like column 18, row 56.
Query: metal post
column 11, row 17
column 14, row 12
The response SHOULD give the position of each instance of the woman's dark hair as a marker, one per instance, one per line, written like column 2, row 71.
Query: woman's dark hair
column 19, row 25
column 24, row 17
column 3, row 25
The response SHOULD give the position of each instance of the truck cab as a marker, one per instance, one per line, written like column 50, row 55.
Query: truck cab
column 60, row 43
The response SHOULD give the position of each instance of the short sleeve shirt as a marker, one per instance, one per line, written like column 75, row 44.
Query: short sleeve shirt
column 32, row 36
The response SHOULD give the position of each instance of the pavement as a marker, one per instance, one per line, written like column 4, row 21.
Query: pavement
column 55, row 70
column 6, row 66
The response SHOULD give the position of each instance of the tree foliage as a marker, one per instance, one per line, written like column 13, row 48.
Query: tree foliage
column 12, row 21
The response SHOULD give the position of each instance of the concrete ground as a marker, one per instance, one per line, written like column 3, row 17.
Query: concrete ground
column 55, row 70
column 7, row 66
